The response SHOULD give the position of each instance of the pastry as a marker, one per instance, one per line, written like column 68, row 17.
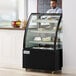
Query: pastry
column 46, row 39
column 37, row 39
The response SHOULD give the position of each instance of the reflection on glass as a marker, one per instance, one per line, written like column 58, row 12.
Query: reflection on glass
column 41, row 31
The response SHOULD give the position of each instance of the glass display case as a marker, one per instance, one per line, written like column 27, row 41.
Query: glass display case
column 41, row 32
column 42, row 37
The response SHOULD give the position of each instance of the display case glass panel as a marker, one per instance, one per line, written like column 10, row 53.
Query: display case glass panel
column 43, row 31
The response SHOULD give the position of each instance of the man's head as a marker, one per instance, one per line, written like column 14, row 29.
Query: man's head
column 53, row 3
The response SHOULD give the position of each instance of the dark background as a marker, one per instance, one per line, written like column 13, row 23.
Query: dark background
column 44, row 5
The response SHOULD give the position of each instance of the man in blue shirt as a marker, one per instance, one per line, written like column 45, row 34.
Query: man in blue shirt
column 54, row 8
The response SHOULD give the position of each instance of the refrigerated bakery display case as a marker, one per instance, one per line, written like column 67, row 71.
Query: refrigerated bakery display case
column 42, row 44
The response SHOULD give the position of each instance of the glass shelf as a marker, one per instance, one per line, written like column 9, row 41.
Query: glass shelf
column 35, row 31
column 43, row 48
column 41, row 42
column 44, row 21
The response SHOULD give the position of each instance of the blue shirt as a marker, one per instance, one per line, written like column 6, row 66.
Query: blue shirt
column 56, row 10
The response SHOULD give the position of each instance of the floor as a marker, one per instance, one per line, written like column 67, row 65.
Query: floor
column 17, row 72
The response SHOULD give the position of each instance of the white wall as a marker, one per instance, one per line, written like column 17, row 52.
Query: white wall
column 69, row 28
column 21, row 9
column 26, row 7
column 32, row 6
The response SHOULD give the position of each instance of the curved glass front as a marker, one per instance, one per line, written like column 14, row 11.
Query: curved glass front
column 41, row 31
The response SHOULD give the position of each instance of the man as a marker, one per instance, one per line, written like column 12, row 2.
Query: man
column 54, row 8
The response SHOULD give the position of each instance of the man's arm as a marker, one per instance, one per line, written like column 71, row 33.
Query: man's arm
column 59, row 10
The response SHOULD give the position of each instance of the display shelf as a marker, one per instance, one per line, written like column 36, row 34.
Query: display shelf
column 44, row 21
column 48, row 48
column 42, row 42
column 46, row 31
column 45, row 48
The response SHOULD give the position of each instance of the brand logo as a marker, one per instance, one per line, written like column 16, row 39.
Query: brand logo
column 26, row 52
